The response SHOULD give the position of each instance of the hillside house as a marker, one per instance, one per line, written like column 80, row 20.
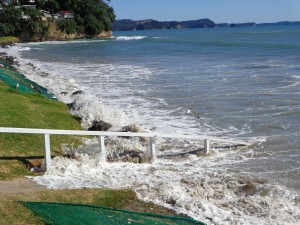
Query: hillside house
column 28, row 3
column 46, row 15
column 21, row 3
column 66, row 15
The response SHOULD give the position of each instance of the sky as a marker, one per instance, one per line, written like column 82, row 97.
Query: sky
column 220, row 11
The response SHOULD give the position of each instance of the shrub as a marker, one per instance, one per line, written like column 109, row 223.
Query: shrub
column 68, row 26
column 6, row 29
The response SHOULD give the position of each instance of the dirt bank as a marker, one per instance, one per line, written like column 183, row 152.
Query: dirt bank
column 19, row 186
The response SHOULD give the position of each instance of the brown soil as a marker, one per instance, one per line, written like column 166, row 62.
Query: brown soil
column 19, row 186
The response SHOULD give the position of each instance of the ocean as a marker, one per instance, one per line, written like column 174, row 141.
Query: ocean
column 238, row 83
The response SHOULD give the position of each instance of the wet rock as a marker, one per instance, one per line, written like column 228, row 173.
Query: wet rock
column 132, row 157
column 131, row 128
column 71, row 105
column 171, row 201
column 64, row 93
column 79, row 92
column 9, row 59
column 100, row 126
column 30, row 64
column 247, row 189
column 297, row 200
column 75, row 105
column 43, row 74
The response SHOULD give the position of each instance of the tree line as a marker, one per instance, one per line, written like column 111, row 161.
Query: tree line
column 91, row 17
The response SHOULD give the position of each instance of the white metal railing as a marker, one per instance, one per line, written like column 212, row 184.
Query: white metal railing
column 103, row 134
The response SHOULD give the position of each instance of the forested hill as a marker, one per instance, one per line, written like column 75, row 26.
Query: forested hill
column 127, row 24
column 154, row 24
column 55, row 19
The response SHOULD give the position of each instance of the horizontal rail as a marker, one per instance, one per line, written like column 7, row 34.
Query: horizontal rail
column 202, row 137
column 101, row 134
column 123, row 134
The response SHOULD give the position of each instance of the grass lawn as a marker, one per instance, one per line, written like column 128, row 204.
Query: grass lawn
column 8, row 40
column 18, row 152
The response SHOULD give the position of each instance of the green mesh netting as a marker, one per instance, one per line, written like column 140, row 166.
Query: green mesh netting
column 12, row 77
column 77, row 214
column 6, row 64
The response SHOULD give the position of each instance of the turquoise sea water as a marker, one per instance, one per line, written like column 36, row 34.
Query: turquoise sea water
column 241, row 83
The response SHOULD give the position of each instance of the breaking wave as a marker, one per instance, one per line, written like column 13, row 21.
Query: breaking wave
column 190, row 185
column 130, row 38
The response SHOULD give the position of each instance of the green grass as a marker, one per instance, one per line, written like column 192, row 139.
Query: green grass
column 12, row 212
column 18, row 152
column 8, row 40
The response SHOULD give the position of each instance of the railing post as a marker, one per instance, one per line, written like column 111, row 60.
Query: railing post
column 47, row 150
column 206, row 146
column 102, row 149
column 152, row 148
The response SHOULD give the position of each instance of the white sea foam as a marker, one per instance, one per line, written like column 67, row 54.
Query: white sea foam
column 24, row 49
column 130, row 38
column 67, row 42
column 296, row 76
column 194, row 185
column 161, row 37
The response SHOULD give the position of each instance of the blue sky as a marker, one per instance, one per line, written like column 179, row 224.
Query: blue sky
column 230, row 11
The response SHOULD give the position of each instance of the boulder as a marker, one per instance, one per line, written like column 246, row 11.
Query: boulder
column 100, row 126
column 131, row 128
column 79, row 92
column 132, row 157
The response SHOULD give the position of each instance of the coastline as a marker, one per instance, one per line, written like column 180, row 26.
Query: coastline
column 250, row 188
column 24, row 188
column 56, row 35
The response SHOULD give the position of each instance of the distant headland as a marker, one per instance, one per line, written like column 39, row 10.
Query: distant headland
column 149, row 24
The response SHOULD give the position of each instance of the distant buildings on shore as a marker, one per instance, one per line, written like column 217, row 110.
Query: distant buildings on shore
column 23, row 3
column 61, row 15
